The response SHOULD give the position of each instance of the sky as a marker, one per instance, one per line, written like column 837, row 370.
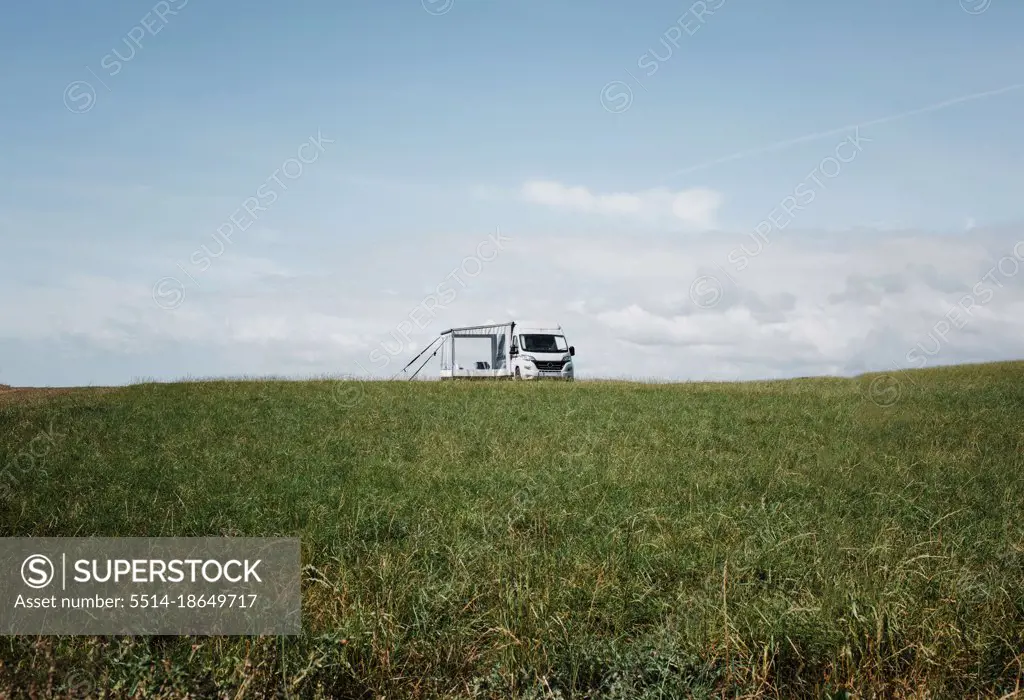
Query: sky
column 717, row 190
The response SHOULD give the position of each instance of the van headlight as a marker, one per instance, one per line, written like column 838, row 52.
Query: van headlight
column 528, row 358
column 567, row 359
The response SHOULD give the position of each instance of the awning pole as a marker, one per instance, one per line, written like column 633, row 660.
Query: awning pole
column 417, row 356
column 423, row 365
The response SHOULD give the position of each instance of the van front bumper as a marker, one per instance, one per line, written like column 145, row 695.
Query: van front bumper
column 534, row 373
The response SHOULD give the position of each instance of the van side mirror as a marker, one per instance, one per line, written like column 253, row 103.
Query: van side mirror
column 572, row 351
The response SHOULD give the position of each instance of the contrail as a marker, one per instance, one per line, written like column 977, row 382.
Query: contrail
column 842, row 129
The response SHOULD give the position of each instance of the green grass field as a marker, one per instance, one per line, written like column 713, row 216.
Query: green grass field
column 591, row 539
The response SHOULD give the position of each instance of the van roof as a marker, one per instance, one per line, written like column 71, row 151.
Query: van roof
column 538, row 326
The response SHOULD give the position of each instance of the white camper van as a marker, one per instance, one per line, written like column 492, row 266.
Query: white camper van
column 511, row 350
column 539, row 350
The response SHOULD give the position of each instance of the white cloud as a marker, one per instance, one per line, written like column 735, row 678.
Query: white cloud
column 811, row 303
column 696, row 208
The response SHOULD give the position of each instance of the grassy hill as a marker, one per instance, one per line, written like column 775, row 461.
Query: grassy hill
column 790, row 538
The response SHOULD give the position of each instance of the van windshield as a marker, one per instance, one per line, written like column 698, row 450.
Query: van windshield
column 543, row 343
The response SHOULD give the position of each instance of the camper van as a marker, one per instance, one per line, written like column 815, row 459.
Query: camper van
column 510, row 350
column 540, row 351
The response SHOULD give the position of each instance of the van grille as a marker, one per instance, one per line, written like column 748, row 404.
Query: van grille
column 550, row 365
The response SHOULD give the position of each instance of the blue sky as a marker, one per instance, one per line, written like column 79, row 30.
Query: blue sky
column 438, row 116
